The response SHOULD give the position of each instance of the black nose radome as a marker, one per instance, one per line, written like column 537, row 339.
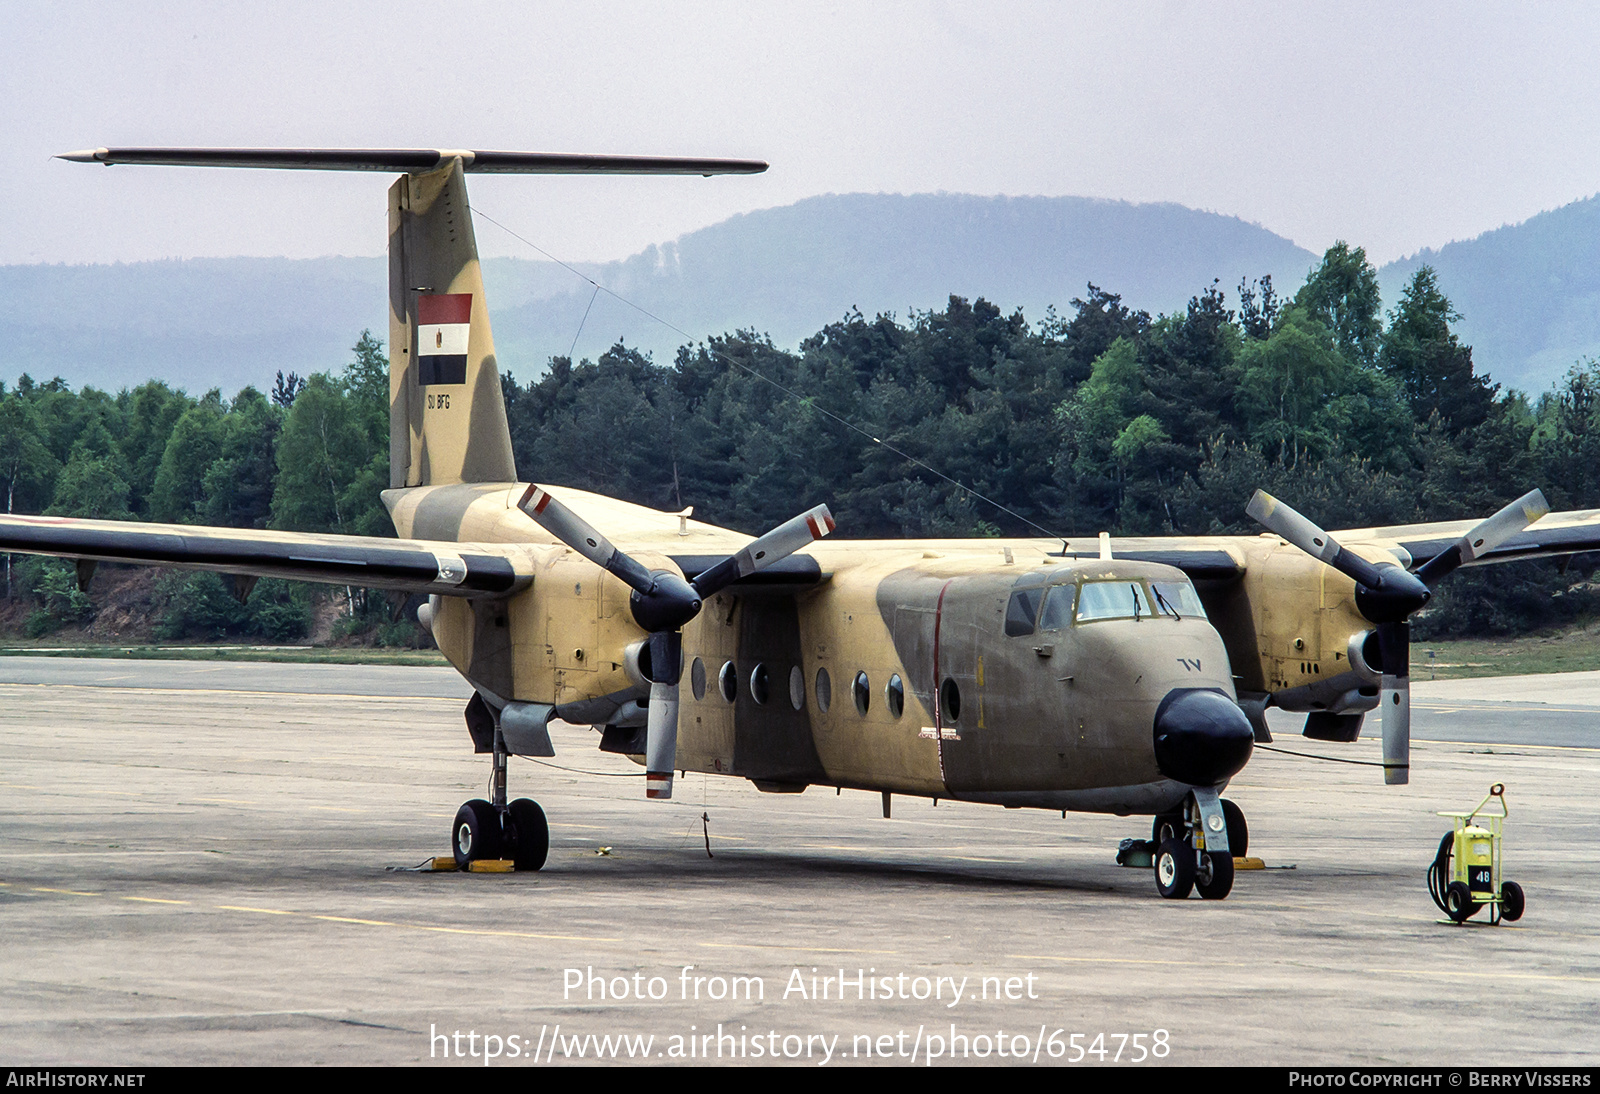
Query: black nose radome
column 1202, row 736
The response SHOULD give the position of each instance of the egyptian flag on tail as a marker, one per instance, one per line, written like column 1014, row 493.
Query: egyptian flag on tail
column 442, row 324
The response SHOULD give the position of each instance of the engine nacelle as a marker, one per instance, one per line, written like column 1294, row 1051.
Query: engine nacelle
column 1364, row 656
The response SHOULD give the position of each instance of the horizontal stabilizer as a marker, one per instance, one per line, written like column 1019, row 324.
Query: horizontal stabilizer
column 415, row 160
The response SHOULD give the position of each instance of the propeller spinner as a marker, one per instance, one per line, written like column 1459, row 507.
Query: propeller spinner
column 663, row 603
column 1387, row 594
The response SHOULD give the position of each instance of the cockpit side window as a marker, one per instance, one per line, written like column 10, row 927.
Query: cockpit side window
column 1021, row 611
column 1112, row 600
column 1177, row 598
column 1057, row 613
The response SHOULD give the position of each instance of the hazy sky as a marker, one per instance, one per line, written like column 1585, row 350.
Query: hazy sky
column 1391, row 126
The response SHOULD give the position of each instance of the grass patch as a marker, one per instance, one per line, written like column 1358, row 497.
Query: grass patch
column 1565, row 651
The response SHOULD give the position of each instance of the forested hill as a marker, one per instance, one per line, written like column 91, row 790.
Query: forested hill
column 789, row 271
column 1106, row 418
column 786, row 272
column 1528, row 294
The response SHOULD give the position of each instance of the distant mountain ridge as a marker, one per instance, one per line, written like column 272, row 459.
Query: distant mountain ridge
column 1528, row 293
column 788, row 271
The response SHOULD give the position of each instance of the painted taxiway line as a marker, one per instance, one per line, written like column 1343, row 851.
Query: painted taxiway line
column 1446, row 973
column 252, row 909
column 1464, row 975
column 767, row 947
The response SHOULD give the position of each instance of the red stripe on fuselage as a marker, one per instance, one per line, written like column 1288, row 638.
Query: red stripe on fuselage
column 938, row 706
column 453, row 307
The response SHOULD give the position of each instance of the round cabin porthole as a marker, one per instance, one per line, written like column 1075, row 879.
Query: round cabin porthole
column 824, row 690
column 759, row 690
column 697, row 678
column 797, row 688
column 895, row 695
column 861, row 692
column 728, row 682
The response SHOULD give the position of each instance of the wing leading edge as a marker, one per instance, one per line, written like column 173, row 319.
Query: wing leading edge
column 416, row 566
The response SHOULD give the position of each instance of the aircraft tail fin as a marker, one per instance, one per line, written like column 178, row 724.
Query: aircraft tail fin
column 447, row 419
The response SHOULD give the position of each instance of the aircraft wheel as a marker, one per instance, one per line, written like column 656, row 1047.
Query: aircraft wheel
column 1166, row 826
column 476, row 833
column 1214, row 879
column 1512, row 901
column 1238, row 831
column 1175, row 869
column 528, row 834
column 1458, row 902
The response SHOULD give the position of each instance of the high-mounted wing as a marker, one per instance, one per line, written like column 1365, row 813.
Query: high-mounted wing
column 416, row 566
column 1568, row 533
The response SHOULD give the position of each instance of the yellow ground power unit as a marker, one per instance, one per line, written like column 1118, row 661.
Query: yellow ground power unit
column 1466, row 872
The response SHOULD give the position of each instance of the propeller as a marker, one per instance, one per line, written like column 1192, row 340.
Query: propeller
column 663, row 603
column 1387, row 594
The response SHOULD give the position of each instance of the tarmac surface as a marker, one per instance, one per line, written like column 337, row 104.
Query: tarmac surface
column 194, row 869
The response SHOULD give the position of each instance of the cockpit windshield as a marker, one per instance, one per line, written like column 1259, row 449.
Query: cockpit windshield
column 1112, row 600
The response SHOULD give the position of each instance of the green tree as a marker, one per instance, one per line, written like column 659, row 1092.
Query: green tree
column 333, row 450
column 1432, row 366
column 178, row 493
column 237, row 487
column 1343, row 293
column 27, row 466
column 150, row 412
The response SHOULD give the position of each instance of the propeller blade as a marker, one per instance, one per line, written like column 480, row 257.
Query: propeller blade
column 1394, row 640
column 577, row 533
column 1485, row 537
column 1387, row 592
column 1275, row 516
column 776, row 545
column 661, row 719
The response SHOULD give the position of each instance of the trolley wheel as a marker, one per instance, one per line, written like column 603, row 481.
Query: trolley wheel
column 529, row 834
column 476, row 833
column 1238, row 831
column 1215, row 876
column 1512, row 901
column 1458, row 902
column 1175, row 869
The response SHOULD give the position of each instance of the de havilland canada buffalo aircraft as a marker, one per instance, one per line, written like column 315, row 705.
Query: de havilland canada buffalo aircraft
column 1130, row 677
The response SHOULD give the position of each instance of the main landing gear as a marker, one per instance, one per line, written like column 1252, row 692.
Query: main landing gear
column 496, row 830
column 1182, row 861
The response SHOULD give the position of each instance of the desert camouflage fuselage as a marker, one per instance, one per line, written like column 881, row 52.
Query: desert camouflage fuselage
column 1022, row 672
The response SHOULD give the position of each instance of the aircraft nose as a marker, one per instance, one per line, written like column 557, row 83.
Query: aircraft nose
column 1201, row 736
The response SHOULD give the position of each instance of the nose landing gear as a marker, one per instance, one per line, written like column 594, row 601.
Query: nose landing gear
column 1195, row 846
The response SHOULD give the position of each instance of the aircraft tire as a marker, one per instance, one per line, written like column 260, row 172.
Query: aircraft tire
column 1458, row 902
column 1175, row 869
column 1215, row 880
column 476, row 833
column 1165, row 826
column 1512, row 901
column 527, row 834
column 1238, row 831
